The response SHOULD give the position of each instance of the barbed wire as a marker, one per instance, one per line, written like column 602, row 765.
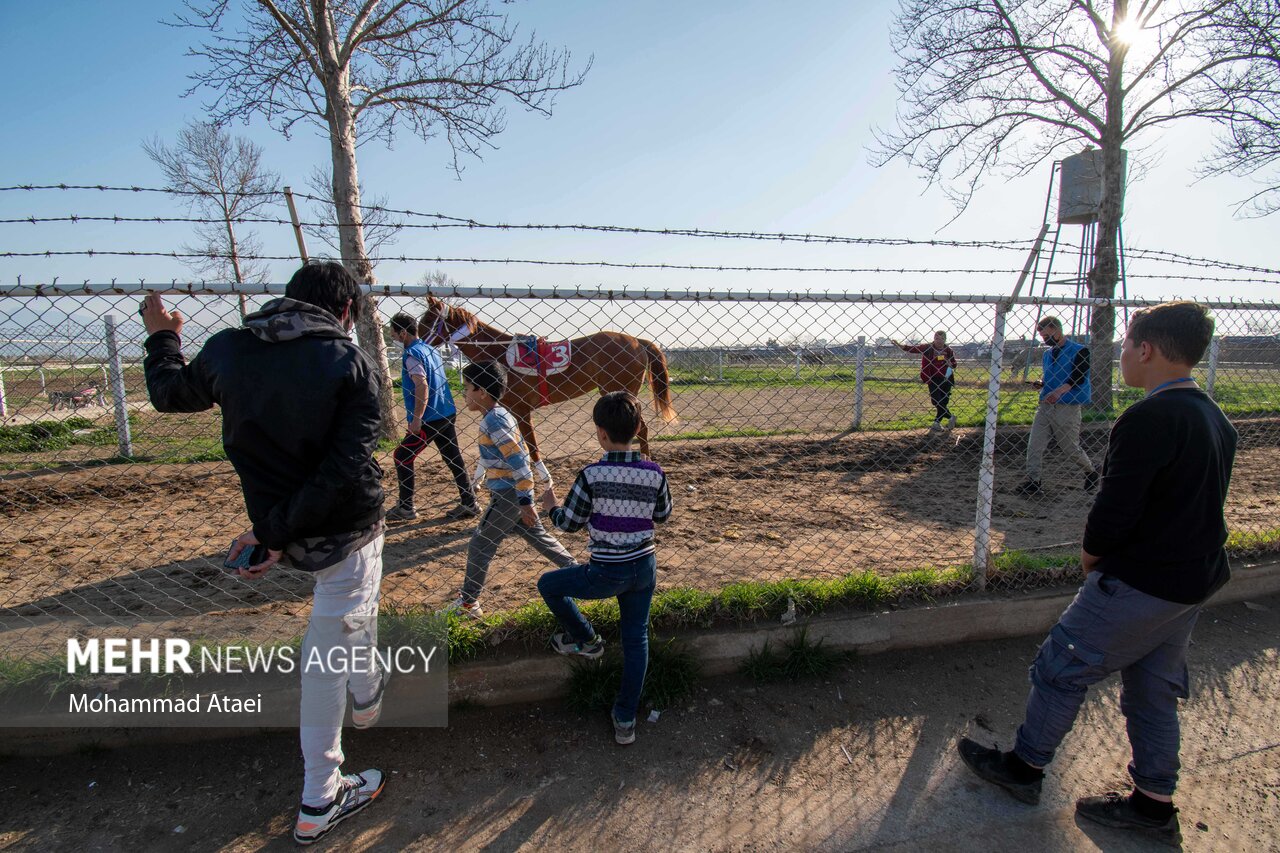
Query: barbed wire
column 456, row 222
column 878, row 270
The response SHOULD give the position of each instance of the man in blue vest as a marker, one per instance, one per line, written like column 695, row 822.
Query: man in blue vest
column 428, row 404
column 1063, row 391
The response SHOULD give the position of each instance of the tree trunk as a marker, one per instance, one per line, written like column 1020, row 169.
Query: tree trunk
column 235, row 265
column 346, row 200
column 1106, row 265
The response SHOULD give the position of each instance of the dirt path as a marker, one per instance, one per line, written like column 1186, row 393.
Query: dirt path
column 140, row 546
column 862, row 761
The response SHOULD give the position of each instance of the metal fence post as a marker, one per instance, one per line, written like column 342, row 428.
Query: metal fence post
column 987, row 467
column 44, row 389
column 117, row 389
column 4, row 409
column 720, row 365
column 859, row 371
column 1215, row 345
column 799, row 352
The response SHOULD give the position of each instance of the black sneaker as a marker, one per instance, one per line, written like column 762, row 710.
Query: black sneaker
column 1091, row 481
column 401, row 512
column 1028, row 488
column 989, row 764
column 462, row 511
column 1115, row 810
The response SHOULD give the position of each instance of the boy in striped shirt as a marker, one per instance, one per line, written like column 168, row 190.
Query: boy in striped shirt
column 618, row 500
column 505, row 464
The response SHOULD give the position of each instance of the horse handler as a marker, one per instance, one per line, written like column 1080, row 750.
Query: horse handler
column 431, row 413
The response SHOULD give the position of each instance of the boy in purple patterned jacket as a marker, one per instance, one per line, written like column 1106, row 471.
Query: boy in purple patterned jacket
column 618, row 500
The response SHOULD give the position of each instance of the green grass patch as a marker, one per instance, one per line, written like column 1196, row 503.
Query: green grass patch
column 1253, row 542
column 726, row 432
column 798, row 659
column 671, row 676
column 43, row 435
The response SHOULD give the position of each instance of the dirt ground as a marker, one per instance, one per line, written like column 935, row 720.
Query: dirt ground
column 864, row 760
column 140, row 545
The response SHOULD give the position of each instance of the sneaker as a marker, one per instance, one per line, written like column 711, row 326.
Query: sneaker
column 951, row 422
column 366, row 716
column 989, row 764
column 936, row 426
column 461, row 511
column 462, row 608
column 623, row 733
column 354, row 793
column 402, row 513
column 1114, row 809
column 1028, row 488
column 567, row 645
column 1091, row 481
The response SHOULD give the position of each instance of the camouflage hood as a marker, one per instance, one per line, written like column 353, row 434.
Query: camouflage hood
column 287, row 319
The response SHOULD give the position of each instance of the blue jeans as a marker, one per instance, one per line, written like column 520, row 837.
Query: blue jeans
column 632, row 583
column 1112, row 627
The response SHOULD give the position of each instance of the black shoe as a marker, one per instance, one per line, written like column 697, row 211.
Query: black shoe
column 990, row 764
column 1091, row 481
column 1028, row 488
column 462, row 511
column 400, row 512
column 1113, row 809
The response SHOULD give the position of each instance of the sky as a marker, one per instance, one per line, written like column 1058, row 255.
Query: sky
column 745, row 116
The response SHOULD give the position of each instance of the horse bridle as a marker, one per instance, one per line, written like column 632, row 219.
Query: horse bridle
column 459, row 334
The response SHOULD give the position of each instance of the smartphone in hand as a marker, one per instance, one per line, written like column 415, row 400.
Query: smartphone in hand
column 247, row 558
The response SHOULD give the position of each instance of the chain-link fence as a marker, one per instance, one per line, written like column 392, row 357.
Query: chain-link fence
column 806, row 448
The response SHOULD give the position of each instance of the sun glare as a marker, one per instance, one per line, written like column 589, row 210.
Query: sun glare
column 1128, row 32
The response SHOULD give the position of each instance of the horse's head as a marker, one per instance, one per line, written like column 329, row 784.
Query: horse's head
column 432, row 325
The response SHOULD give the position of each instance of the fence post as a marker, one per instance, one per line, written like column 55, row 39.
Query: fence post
column 987, row 467
column 799, row 351
column 117, row 389
column 1215, row 344
column 4, row 409
column 859, row 370
column 720, row 365
column 43, row 388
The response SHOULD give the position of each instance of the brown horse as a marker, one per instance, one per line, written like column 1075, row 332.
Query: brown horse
column 603, row 361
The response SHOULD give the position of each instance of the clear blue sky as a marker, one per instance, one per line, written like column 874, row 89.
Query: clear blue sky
column 723, row 115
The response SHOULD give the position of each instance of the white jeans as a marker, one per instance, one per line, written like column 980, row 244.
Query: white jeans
column 344, row 616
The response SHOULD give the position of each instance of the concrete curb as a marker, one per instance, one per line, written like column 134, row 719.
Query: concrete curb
column 546, row 676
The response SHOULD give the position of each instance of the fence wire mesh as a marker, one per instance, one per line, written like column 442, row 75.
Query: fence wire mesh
column 806, row 449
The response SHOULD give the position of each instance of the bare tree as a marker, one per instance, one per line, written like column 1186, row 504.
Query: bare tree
column 220, row 178
column 360, row 71
column 998, row 86
column 381, row 226
column 1251, row 146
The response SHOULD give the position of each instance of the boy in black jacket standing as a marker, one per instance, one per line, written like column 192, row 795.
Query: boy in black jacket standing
column 1153, row 553
column 300, row 423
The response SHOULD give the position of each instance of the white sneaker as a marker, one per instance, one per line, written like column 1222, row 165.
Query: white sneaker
column 354, row 793
column 366, row 716
column 471, row 611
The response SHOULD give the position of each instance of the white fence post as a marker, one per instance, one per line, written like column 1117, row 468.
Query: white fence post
column 720, row 365
column 859, row 374
column 4, row 409
column 43, row 388
column 117, row 389
column 987, row 467
column 799, row 351
column 1212, row 379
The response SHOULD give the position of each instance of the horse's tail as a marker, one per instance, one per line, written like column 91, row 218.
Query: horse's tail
column 660, row 381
